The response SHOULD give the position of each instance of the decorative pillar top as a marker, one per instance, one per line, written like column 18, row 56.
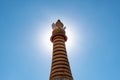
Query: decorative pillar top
column 57, row 25
column 58, row 30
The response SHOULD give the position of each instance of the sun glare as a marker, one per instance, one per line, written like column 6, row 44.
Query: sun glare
column 45, row 33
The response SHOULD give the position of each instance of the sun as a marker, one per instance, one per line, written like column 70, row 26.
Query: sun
column 44, row 34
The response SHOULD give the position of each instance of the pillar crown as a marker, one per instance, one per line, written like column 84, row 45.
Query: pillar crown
column 59, row 23
column 58, row 30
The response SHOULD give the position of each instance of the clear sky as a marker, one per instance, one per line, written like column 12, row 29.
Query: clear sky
column 24, row 54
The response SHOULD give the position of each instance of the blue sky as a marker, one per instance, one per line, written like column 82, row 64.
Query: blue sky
column 96, row 23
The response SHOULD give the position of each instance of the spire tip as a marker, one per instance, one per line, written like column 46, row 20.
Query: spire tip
column 59, row 23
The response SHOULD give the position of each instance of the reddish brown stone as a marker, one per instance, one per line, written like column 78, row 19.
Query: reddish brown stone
column 60, row 68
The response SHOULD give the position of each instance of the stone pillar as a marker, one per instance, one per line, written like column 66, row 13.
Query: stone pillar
column 60, row 68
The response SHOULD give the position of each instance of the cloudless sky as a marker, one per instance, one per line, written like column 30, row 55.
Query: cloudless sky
column 96, row 55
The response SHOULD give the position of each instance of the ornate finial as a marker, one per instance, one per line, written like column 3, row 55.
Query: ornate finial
column 58, row 30
column 59, row 23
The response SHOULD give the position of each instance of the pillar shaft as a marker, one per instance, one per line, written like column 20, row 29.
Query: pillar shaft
column 60, row 68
